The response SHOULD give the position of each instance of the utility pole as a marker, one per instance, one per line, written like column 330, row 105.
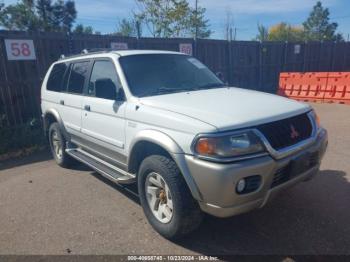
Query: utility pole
column 196, row 29
column 196, row 21
column 138, row 28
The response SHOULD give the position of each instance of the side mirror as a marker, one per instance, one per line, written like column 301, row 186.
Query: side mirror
column 120, row 96
column 220, row 76
column 119, row 99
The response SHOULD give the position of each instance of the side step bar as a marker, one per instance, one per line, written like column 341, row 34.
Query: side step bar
column 109, row 171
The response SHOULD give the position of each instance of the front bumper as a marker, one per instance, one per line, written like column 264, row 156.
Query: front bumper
column 217, row 182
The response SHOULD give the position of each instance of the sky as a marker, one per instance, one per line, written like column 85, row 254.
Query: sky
column 103, row 15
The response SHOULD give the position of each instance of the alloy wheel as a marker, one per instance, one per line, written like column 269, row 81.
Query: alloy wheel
column 159, row 197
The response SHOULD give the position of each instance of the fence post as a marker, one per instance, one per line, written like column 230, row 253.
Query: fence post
column 195, row 47
column 40, row 70
column 344, row 53
column 285, row 56
column 7, row 84
column 333, row 55
column 304, row 60
column 260, row 64
column 2, row 87
column 319, row 56
column 70, row 43
column 229, row 66
column 138, row 42
column 138, row 36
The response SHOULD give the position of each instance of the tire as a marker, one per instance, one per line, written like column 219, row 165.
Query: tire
column 186, row 215
column 56, row 137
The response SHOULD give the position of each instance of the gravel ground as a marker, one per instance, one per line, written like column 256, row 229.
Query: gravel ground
column 45, row 209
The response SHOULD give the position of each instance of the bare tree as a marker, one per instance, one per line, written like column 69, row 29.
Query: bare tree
column 263, row 33
column 229, row 25
column 172, row 18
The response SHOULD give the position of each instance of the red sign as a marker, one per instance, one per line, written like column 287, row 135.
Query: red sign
column 19, row 49
column 119, row 46
column 186, row 48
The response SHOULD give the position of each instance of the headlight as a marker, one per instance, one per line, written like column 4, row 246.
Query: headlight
column 316, row 119
column 228, row 146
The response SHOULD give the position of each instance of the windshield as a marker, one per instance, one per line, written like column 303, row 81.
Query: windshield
column 157, row 74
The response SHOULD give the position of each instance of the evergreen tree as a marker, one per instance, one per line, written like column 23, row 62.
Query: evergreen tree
column 44, row 11
column 317, row 26
column 81, row 29
column 39, row 15
column 197, row 19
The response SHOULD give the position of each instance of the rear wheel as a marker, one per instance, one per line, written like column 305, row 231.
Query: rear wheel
column 166, row 200
column 58, row 146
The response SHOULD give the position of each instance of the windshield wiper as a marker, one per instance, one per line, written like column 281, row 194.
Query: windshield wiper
column 167, row 90
column 171, row 90
column 210, row 85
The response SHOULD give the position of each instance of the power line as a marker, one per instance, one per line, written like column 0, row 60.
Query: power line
column 340, row 17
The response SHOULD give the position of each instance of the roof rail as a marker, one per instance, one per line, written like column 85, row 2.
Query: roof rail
column 88, row 52
column 94, row 50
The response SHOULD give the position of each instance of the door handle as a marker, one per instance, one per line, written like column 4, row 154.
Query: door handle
column 87, row 107
column 62, row 102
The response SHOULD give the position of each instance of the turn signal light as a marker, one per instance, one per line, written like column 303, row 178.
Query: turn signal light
column 205, row 146
column 318, row 121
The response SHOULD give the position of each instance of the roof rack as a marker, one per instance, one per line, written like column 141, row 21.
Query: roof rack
column 88, row 52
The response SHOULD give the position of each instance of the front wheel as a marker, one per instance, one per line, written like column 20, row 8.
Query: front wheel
column 58, row 146
column 166, row 200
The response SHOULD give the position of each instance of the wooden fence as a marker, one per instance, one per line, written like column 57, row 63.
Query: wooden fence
column 246, row 64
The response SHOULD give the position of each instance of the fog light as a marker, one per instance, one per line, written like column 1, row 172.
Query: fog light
column 240, row 186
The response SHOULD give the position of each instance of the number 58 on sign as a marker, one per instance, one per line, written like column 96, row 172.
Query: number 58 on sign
column 18, row 49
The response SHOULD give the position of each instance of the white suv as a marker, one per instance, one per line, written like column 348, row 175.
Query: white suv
column 163, row 120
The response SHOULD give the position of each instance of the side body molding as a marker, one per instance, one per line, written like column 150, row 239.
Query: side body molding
column 175, row 151
column 56, row 115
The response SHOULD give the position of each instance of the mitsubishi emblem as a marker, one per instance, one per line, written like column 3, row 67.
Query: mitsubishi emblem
column 294, row 133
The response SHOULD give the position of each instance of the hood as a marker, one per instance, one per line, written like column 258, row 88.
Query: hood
column 228, row 108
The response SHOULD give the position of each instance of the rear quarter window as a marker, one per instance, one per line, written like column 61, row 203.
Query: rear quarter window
column 55, row 80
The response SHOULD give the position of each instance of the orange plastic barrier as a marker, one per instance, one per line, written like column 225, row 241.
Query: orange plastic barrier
column 287, row 83
column 316, row 87
column 303, row 86
column 338, row 88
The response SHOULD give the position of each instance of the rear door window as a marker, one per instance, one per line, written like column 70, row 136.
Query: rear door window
column 55, row 80
column 77, row 78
